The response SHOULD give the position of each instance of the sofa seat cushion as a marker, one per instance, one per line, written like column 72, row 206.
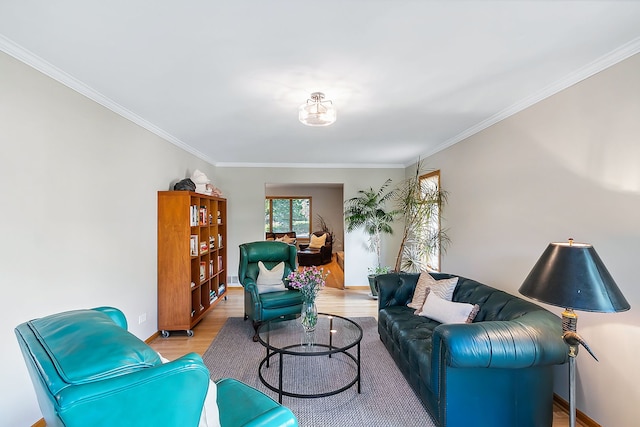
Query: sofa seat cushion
column 91, row 347
column 274, row 300
column 412, row 334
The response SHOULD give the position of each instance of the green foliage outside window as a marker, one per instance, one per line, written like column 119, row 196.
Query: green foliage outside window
column 283, row 214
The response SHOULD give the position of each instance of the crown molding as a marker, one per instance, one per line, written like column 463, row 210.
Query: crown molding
column 617, row 55
column 48, row 69
column 311, row 165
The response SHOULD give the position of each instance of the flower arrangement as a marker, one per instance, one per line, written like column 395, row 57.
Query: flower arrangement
column 309, row 280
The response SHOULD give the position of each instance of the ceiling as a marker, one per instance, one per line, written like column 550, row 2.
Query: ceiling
column 224, row 79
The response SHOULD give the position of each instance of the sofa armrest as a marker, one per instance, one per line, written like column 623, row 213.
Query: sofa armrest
column 531, row 340
column 241, row 405
column 250, row 285
column 117, row 400
column 395, row 289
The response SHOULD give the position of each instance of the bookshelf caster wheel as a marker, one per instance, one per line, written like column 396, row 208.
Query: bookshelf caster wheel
column 225, row 297
column 189, row 333
column 165, row 334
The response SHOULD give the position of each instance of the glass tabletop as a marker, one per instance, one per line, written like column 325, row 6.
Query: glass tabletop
column 332, row 334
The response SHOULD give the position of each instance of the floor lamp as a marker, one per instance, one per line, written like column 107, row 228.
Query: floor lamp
column 572, row 276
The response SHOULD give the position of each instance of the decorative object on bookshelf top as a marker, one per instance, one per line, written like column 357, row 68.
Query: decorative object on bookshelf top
column 185, row 185
column 203, row 184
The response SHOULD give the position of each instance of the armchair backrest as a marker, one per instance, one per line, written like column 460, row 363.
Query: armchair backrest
column 270, row 253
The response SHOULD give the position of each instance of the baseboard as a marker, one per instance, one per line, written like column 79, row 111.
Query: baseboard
column 580, row 416
column 152, row 337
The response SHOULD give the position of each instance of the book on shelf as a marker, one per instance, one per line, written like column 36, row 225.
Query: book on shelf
column 211, row 268
column 203, row 271
column 212, row 242
column 193, row 215
column 221, row 288
column 193, row 245
column 219, row 262
column 219, row 240
column 204, row 217
column 203, row 247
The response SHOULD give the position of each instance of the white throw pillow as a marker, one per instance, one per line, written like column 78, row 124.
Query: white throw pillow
column 443, row 288
column 210, row 416
column 444, row 311
column 317, row 242
column 288, row 240
column 270, row 280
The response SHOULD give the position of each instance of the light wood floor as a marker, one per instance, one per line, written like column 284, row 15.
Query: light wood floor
column 350, row 302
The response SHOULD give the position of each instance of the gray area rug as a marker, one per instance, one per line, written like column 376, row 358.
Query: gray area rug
column 385, row 399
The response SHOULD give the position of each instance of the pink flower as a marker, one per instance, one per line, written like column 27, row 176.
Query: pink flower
column 309, row 280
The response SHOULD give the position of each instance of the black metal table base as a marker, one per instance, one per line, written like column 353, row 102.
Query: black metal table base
column 265, row 364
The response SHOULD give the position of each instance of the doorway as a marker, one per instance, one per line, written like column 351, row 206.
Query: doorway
column 326, row 210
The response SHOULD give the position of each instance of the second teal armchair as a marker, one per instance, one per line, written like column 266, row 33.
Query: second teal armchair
column 262, row 307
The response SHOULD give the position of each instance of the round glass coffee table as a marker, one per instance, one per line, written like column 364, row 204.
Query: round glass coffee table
column 310, row 364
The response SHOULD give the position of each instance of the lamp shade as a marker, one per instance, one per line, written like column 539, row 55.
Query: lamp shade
column 572, row 275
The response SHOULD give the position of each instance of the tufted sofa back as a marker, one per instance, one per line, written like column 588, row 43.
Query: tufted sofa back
column 494, row 304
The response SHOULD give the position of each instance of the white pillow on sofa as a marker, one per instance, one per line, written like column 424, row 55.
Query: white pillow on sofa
column 317, row 242
column 270, row 280
column 210, row 416
column 444, row 311
column 443, row 288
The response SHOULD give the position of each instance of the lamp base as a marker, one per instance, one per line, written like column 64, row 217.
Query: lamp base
column 572, row 391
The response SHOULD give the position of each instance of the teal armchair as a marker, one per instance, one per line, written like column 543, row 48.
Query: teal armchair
column 267, row 306
column 88, row 370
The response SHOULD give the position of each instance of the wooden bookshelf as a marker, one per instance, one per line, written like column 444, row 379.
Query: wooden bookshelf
column 192, row 258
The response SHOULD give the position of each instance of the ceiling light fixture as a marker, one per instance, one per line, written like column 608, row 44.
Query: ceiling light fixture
column 316, row 111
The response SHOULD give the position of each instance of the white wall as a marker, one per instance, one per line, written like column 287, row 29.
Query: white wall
column 244, row 188
column 567, row 167
column 78, row 215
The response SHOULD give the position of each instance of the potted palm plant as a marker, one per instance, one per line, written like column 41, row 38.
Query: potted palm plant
column 420, row 204
column 368, row 211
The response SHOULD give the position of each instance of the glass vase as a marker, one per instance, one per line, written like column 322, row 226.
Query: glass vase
column 309, row 316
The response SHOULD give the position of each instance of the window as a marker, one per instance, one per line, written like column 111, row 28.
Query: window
column 430, row 230
column 282, row 214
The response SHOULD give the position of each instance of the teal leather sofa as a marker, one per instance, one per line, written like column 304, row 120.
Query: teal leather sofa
column 494, row 372
column 272, row 305
column 88, row 370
